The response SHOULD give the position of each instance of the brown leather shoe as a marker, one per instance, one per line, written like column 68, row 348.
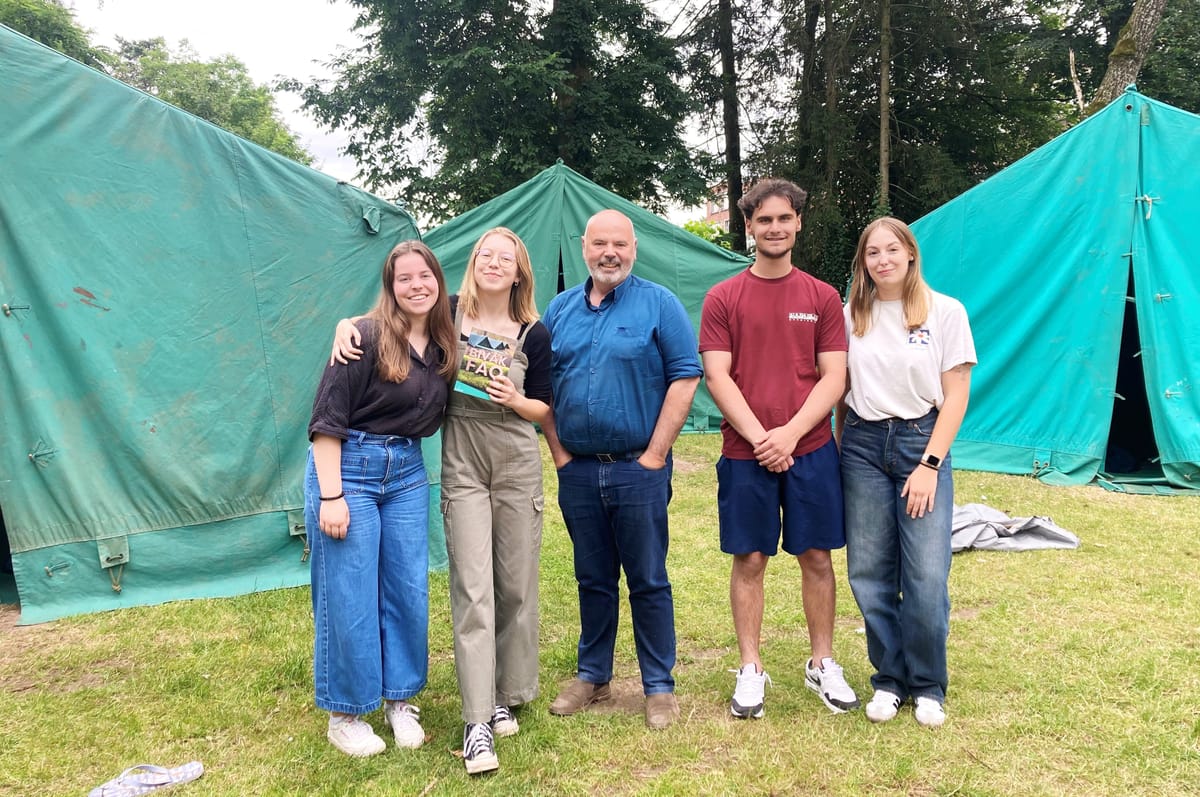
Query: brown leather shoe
column 577, row 696
column 661, row 710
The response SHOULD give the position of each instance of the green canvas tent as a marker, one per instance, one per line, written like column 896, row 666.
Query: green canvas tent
column 168, row 294
column 549, row 213
column 1071, row 265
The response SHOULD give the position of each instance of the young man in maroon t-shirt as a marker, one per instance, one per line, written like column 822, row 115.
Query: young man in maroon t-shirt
column 773, row 342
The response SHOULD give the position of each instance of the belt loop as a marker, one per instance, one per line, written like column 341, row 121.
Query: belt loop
column 361, row 437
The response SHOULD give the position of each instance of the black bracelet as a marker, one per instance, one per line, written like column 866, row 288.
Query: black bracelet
column 922, row 462
column 334, row 497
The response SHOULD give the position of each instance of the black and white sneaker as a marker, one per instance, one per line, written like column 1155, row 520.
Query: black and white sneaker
column 479, row 748
column 830, row 684
column 883, row 706
column 503, row 722
column 747, row 702
column 929, row 712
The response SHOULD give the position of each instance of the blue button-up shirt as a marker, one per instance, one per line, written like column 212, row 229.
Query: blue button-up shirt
column 611, row 365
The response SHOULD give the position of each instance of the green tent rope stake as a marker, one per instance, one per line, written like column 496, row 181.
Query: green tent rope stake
column 57, row 567
column 41, row 454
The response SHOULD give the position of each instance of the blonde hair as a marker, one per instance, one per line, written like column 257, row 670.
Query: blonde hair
column 915, row 296
column 392, row 325
column 521, row 307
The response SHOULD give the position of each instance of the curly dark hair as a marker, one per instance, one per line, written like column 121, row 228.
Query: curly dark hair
column 772, row 186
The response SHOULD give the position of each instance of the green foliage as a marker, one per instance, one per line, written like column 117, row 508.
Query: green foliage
column 709, row 231
column 972, row 90
column 220, row 91
column 455, row 102
column 52, row 24
column 1172, row 65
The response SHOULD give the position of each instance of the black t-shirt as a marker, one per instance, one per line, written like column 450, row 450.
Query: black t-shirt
column 353, row 396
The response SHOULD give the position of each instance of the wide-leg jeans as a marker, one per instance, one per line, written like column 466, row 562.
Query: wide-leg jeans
column 370, row 591
column 616, row 516
column 898, row 566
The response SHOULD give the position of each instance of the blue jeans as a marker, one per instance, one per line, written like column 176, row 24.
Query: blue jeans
column 898, row 566
column 616, row 516
column 370, row 591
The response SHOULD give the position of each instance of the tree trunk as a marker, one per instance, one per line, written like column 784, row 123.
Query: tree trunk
column 885, row 92
column 732, row 123
column 833, row 59
column 1129, row 53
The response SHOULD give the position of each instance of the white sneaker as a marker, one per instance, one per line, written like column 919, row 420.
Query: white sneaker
column 883, row 706
column 748, row 694
column 828, row 682
column 353, row 736
column 929, row 712
column 503, row 722
column 405, row 720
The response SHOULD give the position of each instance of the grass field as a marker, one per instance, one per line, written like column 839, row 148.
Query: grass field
column 1072, row 673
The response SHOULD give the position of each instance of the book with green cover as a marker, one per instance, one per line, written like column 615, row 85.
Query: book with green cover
column 485, row 357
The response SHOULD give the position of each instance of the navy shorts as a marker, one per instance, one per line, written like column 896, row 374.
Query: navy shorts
column 804, row 502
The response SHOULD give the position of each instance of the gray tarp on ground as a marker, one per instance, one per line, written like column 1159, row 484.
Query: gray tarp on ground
column 981, row 527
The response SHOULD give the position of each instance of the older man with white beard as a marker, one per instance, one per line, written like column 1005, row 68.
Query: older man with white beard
column 624, row 368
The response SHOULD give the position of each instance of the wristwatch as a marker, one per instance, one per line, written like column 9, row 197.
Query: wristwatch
column 931, row 461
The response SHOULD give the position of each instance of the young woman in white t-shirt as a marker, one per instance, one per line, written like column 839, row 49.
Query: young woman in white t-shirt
column 909, row 367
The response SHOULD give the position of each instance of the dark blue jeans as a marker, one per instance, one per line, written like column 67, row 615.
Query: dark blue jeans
column 616, row 515
column 898, row 566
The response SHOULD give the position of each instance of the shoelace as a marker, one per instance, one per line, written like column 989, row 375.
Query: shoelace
column 405, row 711
column 764, row 674
column 832, row 674
column 479, row 740
column 501, row 714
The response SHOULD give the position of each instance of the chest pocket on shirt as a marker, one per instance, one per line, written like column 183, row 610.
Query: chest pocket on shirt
column 627, row 343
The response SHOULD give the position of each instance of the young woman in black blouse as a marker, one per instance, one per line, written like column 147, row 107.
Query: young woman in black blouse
column 367, row 492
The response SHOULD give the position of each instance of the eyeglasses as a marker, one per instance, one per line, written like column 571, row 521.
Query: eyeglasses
column 504, row 257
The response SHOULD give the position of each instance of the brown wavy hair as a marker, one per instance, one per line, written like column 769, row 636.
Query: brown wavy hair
column 392, row 326
column 521, row 307
column 915, row 296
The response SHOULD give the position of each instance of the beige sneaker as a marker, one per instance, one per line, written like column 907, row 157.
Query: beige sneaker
column 577, row 696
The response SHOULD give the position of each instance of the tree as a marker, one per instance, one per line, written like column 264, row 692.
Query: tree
column 1129, row 52
column 220, row 91
column 1172, row 65
column 729, row 50
column 885, row 89
column 455, row 101
column 711, row 232
column 52, row 24
column 961, row 98
column 732, row 123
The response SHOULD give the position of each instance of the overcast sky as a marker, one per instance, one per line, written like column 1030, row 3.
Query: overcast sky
column 273, row 38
